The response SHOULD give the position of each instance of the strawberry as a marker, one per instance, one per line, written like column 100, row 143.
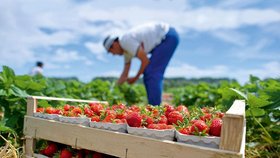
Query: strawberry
column 80, row 154
column 174, row 117
column 57, row 111
column 50, row 110
column 183, row 109
column 119, row 107
column 88, row 112
column 96, row 108
column 220, row 114
column 97, row 155
column 163, row 119
column 185, row 130
column 134, row 108
column 50, row 150
column 146, row 120
column 65, row 153
column 215, row 127
column 168, row 108
column 66, row 107
column 199, row 127
column 206, row 117
column 160, row 126
column 77, row 111
column 110, row 115
column 95, row 118
column 134, row 119
column 121, row 114
column 40, row 110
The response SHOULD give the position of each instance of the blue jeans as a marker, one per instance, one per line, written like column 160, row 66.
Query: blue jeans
column 153, row 74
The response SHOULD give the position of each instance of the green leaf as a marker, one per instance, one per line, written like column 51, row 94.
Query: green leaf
column 43, row 103
column 36, row 86
column 8, row 72
column 275, row 128
column 3, row 92
column 240, row 93
column 257, row 112
column 18, row 92
column 254, row 101
column 253, row 79
column 6, row 129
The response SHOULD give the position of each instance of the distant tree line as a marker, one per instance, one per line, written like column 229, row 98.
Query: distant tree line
column 174, row 82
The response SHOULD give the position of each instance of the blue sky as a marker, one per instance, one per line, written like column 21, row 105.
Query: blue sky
column 221, row 38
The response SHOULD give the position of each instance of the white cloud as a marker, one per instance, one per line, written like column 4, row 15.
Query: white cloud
column 62, row 58
column 97, row 49
column 21, row 21
column 232, row 36
column 190, row 71
column 270, row 69
column 237, row 3
column 256, row 51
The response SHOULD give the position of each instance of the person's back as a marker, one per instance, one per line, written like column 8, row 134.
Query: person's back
column 38, row 70
column 150, row 35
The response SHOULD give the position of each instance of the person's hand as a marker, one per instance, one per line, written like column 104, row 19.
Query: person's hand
column 132, row 80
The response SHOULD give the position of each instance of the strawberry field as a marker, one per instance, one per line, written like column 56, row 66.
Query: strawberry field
column 191, row 101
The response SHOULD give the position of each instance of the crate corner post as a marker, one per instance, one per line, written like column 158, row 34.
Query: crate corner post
column 234, row 128
column 29, row 144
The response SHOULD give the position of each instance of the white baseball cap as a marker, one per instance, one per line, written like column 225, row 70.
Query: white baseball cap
column 108, row 41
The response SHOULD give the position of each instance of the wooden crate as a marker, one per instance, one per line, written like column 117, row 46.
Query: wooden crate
column 123, row 145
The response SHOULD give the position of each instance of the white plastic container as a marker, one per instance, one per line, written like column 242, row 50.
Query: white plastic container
column 110, row 126
column 46, row 116
column 167, row 134
column 75, row 120
column 206, row 141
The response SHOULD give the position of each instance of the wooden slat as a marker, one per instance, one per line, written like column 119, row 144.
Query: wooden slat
column 67, row 99
column 234, row 128
column 114, row 143
column 31, row 106
column 29, row 143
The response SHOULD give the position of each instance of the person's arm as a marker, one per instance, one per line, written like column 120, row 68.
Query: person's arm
column 124, row 74
column 142, row 56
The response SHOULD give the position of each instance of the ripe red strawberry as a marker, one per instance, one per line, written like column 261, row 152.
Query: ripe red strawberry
column 205, row 110
column 97, row 155
column 57, row 111
column 174, row 117
column 40, row 110
column 66, row 107
column 95, row 118
column 215, row 127
column 50, row 110
column 77, row 111
column 163, row 119
column 185, row 131
column 88, row 112
column 119, row 107
column 146, row 120
column 206, row 117
column 183, row 109
column 65, row 153
column 220, row 114
column 110, row 115
column 134, row 108
column 96, row 108
column 50, row 150
column 168, row 108
column 80, row 154
column 121, row 114
column 199, row 127
column 134, row 119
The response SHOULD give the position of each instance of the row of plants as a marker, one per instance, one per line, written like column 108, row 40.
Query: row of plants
column 262, row 99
